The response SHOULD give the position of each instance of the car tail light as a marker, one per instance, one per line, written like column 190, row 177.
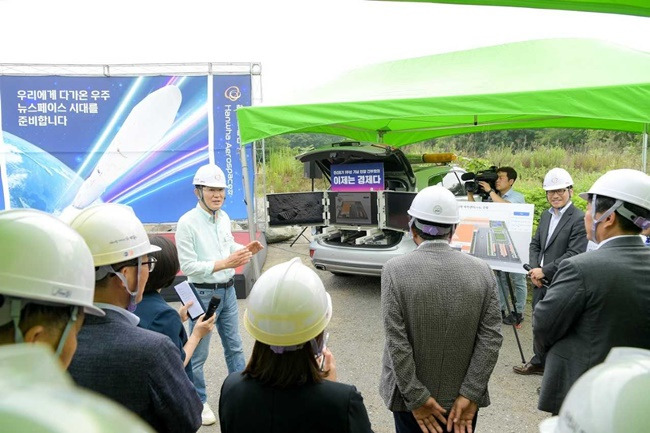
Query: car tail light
column 311, row 253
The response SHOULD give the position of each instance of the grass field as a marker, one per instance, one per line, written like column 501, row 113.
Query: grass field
column 285, row 174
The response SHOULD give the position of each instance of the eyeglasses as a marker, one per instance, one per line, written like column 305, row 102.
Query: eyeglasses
column 151, row 263
column 560, row 191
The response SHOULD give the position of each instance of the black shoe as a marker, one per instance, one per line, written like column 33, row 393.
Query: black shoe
column 528, row 369
column 520, row 318
column 509, row 319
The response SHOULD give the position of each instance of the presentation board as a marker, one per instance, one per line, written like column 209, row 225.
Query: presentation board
column 498, row 233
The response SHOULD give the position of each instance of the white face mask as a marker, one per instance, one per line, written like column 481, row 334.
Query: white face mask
column 132, row 294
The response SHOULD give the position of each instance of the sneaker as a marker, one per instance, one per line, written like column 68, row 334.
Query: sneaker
column 207, row 416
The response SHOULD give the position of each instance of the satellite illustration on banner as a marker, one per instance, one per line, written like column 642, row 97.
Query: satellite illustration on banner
column 145, row 126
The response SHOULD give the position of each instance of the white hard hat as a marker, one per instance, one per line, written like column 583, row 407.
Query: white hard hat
column 210, row 175
column 557, row 178
column 435, row 204
column 113, row 232
column 288, row 305
column 627, row 185
column 40, row 398
column 610, row 397
column 44, row 261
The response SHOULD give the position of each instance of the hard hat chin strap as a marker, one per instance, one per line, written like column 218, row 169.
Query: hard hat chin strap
column 16, row 308
column 608, row 212
column 64, row 336
column 213, row 211
column 638, row 221
column 133, row 295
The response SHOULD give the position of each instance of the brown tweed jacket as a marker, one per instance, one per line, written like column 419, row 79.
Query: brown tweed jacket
column 443, row 327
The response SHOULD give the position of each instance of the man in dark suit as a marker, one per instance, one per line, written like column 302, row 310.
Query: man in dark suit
column 560, row 234
column 600, row 299
column 138, row 368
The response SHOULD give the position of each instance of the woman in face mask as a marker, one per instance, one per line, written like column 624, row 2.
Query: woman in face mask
column 291, row 373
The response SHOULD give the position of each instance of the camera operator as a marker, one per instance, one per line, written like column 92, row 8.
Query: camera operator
column 503, row 193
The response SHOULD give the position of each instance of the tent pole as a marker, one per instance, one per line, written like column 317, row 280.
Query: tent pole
column 644, row 151
column 252, row 227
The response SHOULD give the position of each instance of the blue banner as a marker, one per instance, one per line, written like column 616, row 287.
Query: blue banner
column 73, row 141
column 230, row 93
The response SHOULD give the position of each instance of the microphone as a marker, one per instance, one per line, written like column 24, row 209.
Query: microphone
column 528, row 268
column 212, row 306
column 467, row 176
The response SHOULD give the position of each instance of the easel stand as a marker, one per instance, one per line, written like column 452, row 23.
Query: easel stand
column 302, row 233
column 514, row 308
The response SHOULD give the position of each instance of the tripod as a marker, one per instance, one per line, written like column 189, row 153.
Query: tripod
column 302, row 233
column 514, row 309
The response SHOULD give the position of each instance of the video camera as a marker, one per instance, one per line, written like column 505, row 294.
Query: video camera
column 472, row 179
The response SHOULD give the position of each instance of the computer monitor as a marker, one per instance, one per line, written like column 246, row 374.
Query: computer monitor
column 298, row 208
column 396, row 205
column 353, row 208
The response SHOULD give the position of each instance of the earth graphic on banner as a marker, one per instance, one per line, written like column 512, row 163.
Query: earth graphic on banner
column 36, row 179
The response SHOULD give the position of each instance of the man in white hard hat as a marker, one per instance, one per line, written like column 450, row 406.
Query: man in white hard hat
column 560, row 234
column 503, row 192
column 209, row 255
column 45, row 304
column 610, row 397
column 40, row 303
column 442, row 324
column 138, row 368
column 600, row 299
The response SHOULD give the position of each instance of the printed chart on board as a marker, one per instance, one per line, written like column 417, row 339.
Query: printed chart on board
column 498, row 233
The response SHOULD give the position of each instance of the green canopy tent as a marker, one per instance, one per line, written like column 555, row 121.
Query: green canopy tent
column 551, row 83
column 557, row 83
column 625, row 7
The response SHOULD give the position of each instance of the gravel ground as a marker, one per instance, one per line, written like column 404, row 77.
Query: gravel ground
column 356, row 340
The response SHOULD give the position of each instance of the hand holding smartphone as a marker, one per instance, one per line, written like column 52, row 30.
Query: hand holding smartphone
column 322, row 356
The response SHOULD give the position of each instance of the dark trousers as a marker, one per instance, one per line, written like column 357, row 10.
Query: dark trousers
column 538, row 295
column 405, row 423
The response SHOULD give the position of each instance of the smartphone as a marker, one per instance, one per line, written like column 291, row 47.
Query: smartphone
column 322, row 361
